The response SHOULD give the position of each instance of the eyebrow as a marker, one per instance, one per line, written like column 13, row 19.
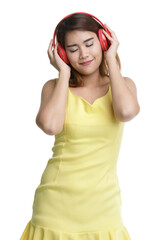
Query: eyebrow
column 72, row 45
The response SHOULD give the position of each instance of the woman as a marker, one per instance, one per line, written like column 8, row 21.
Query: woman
column 86, row 109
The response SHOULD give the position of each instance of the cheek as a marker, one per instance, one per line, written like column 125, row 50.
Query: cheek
column 98, row 54
column 97, row 50
column 71, row 57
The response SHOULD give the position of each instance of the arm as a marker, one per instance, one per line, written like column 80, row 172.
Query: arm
column 124, row 93
column 51, row 115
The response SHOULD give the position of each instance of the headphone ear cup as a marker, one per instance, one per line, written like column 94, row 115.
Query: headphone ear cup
column 62, row 53
column 103, row 40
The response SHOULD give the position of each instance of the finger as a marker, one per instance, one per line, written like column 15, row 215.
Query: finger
column 56, row 55
column 114, row 36
column 107, row 35
column 50, row 51
column 108, row 27
column 55, row 49
column 50, row 46
column 112, row 32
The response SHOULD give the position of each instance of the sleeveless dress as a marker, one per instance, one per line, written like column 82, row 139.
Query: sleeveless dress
column 79, row 196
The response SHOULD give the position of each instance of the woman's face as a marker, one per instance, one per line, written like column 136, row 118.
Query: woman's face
column 84, row 51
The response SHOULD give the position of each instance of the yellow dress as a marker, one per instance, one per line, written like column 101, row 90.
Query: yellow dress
column 79, row 197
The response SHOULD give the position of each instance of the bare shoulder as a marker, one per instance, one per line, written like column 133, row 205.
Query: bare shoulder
column 46, row 92
column 131, row 84
column 49, row 84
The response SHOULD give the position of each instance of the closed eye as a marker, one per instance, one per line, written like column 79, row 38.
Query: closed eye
column 73, row 50
column 88, row 45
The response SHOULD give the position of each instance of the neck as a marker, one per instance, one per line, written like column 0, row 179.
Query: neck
column 93, row 80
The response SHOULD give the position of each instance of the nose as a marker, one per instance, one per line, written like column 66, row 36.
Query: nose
column 83, row 53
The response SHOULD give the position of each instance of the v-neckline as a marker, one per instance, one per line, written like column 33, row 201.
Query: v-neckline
column 95, row 101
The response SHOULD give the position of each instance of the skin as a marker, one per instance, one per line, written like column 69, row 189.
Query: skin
column 85, row 51
column 94, row 84
column 124, row 91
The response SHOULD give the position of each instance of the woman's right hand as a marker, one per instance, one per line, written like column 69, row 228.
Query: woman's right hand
column 55, row 59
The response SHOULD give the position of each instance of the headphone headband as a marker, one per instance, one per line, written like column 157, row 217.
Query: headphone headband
column 73, row 14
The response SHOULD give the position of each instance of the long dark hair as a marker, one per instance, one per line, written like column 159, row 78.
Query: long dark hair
column 82, row 22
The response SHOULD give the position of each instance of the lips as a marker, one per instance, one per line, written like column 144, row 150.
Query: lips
column 86, row 63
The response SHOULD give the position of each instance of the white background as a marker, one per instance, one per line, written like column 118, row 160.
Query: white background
column 26, row 29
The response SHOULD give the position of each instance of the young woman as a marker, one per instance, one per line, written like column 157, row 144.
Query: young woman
column 79, row 196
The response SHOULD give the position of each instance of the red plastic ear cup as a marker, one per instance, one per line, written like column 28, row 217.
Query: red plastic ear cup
column 62, row 53
column 103, row 39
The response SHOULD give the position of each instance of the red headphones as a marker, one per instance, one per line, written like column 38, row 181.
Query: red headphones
column 105, row 43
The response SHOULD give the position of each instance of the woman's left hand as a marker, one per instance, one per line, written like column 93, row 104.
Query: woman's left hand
column 114, row 43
